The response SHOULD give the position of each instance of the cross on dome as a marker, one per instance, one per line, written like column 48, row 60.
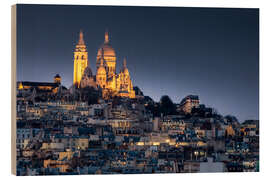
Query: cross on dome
column 106, row 41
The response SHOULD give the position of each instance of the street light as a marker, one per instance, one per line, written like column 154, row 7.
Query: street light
column 196, row 153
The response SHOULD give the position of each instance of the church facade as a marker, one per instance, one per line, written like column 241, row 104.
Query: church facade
column 106, row 78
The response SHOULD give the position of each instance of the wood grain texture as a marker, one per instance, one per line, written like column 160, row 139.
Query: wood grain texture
column 13, row 86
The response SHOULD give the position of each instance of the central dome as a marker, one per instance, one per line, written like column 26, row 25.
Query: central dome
column 108, row 51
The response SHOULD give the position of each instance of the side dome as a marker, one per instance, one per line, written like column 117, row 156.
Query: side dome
column 125, row 69
column 57, row 76
column 101, row 71
column 126, row 72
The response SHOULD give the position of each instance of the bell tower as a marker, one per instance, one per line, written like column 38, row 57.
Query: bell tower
column 80, row 60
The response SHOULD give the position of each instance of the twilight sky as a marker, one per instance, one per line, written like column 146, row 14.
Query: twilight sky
column 210, row 52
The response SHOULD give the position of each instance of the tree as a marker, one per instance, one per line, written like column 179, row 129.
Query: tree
column 167, row 107
column 154, row 108
column 87, row 94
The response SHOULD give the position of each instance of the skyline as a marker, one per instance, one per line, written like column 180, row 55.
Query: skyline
column 224, row 42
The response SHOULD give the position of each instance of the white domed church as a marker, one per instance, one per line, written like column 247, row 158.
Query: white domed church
column 106, row 78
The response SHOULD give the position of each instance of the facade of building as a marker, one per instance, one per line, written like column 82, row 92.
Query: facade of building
column 189, row 102
column 106, row 78
column 41, row 86
column 77, row 138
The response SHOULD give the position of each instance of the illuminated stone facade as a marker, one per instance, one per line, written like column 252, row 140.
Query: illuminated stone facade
column 189, row 102
column 108, row 54
column 80, row 61
column 57, row 79
column 41, row 86
column 106, row 78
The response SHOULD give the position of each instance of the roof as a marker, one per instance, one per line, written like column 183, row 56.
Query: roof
column 57, row 76
column 192, row 97
column 29, row 83
column 255, row 122
column 108, row 51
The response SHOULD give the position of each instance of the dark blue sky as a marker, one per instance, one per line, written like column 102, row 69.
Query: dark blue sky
column 211, row 52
